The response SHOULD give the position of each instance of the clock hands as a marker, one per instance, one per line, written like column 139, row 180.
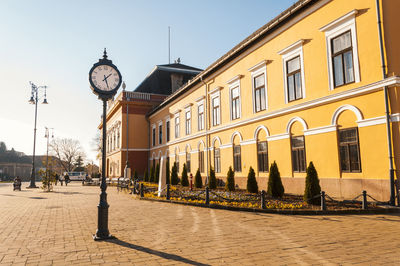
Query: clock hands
column 105, row 79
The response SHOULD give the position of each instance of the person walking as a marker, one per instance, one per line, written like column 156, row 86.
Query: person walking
column 61, row 180
column 66, row 177
column 57, row 178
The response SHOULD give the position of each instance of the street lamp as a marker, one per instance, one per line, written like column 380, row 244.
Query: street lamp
column 47, row 135
column 34, row 100
column 127, row 170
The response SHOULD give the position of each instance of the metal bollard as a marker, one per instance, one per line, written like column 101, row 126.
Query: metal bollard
column 168, row 196
column 263, row 199
column 207, row 196
column 398, row 198
column 134, row 187
column 364, row 202
column 141, row 190
column 323, row 202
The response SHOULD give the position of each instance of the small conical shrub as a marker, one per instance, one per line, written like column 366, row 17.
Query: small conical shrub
column 167, row 173
column 212, row 183
column 157, row 173
column 152, row 174
column 135, row 175
column 230, row 180
column 146, row 176
column 275, row 187
column 198, row 181
column 185, row 180
column 312, row 188
column 174, row 175
column 252, row 185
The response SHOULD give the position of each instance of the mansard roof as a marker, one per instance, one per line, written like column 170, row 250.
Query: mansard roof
column 158, row 81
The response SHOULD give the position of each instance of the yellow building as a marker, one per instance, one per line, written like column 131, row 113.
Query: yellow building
column 317, row 83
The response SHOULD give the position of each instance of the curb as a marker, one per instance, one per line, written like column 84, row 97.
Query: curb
column 378, row 210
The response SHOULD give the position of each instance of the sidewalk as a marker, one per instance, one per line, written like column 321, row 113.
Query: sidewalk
column 38, row 228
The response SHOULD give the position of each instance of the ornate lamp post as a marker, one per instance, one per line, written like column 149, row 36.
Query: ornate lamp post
column 34, row 100
column 127, row 169
column 105, row 80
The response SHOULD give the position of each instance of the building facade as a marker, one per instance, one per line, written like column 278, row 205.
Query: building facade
column 319, row 83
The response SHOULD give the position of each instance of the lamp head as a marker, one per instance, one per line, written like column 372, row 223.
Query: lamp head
column 31, row 101
column 45, row 101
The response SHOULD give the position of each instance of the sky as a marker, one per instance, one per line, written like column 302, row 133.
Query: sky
column 55, row 43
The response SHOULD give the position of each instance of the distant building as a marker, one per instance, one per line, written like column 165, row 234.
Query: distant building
column 313, row 84
column 159, row 83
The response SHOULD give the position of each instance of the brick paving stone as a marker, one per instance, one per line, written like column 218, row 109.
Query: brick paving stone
column 38, row 228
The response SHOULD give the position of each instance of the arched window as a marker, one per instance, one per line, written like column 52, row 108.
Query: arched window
column 187, row 159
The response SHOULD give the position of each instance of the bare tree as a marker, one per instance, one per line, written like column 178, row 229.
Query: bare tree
column 96, row 144
column 67, row 152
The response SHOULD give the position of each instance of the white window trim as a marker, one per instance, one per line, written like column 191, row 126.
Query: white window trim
column 290, row 52
column 216, row 93
column 177, row 134
column 200, row 102
column 334, row 29
column 260, row 68
column 188, row 109
column 234, row 83
column 160, row 124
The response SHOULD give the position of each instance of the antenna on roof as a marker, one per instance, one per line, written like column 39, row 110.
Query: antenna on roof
column 169, row 45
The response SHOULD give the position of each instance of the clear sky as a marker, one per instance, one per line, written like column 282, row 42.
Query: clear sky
column 55, row 43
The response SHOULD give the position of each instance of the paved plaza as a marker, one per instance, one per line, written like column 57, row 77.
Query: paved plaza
column 38, row 228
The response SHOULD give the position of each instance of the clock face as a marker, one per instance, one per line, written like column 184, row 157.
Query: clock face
column 105, row 78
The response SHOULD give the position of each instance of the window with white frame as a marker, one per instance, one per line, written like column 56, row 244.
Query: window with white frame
column 259, row 93
column 188, row 117
column 200, row 116
column 217, row 160
column 177, row 126
column 216, row 110
column 154, row 135
column 342, row 51
column 167, row 126
column 160, row 133
column 293, row 69
column 235, row 103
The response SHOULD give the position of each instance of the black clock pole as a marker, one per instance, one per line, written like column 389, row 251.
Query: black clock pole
column 102, row 232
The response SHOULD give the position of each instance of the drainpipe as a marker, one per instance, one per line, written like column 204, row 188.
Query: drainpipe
column 206, row 126
column 387, row 111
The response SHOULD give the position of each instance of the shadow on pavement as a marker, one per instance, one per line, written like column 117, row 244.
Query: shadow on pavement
column 155, row 252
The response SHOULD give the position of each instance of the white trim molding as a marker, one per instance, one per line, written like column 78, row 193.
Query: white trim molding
column 278, row 137
column 248, row 142
column 294, row 119
column 395, row 117
column 343, row 108
column 225, row 146
column 236, row 133
column 216, row 89
column 258, row 129
column 371, row 121
column 320, row 130
column 234, row 83
column 234, row 79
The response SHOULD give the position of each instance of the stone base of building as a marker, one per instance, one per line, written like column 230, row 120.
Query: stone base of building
column 338, row 188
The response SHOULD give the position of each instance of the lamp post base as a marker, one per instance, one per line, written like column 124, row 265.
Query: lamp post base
column 102, row 237
column 34, row 186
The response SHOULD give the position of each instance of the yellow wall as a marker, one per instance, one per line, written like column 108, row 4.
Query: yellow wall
column 316, row 109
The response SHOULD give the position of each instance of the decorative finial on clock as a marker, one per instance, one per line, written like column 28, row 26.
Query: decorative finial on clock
column 105, row 54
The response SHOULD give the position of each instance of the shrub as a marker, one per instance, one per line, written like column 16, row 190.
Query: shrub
column 146, row 176
column 157, row 173
column 174, row 175
column 185, row 180
column 230, row 180
column 167, row 173
column 275, row 187
column 152, row 174
column 212, row 183
column 252, row 185
column 312, row 188
column 198, row 181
